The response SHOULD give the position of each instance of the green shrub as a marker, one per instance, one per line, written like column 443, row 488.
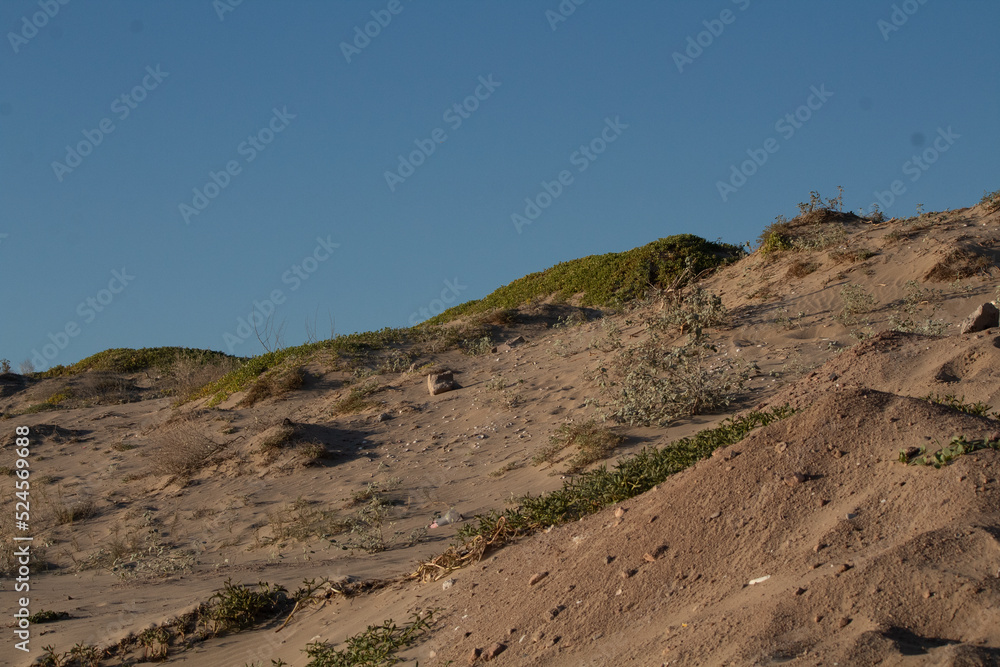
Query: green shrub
column 375, row 647
column 238, row 607
column 656, row 383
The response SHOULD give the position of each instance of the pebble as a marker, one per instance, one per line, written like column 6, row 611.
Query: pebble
column 447, row 583
column 619, row 512
column 535, row 578
column 795, row 479
column 843, row 622
column 495, row 650
column 474, row 656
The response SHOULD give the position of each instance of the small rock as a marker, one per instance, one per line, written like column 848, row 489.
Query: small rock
column 987, row 316
column 625, row 574
column 535, row 578
column 383, row 416
column 843, row 567
column 552, row 613
column 715, row 515
column 800, row 591
column 608, row 560
column 494, row 651
column 649, row 558
column 537, row 636
column 817, row 618
column 843, row 622
column 927, row 594
column 438, row 383
column 795, row 479
column 515, row 341
column 447, row 583
column 474, row 656
column 619, row 512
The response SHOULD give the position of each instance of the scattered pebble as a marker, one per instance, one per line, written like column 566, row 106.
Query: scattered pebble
column 759, row 579
column 447, row 583
column 535, row 578
column 619, row 512
column 494, row 651
column 843, row 622
column 795, row 479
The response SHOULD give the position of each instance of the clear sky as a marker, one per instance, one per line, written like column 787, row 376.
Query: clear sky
column 165, row 165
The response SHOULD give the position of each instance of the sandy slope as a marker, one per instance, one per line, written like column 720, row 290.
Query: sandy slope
column 868, row 559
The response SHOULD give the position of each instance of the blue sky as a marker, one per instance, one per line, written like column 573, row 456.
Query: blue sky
column 166, row 165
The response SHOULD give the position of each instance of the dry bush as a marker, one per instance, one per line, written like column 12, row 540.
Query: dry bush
column 103, row 388
column 188, row 375
column 274, row 385
column 801, row 268
column 656, row 383
column 183, row 449
column 593, row 443
column 958, row 264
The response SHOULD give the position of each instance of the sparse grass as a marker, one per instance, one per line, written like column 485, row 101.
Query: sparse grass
column 905, row 317
column 857, row 302
column 843, row 256
column 990, row 201
column 593, row 442
column 478, row 346
column 377, row 646
column 82, row 510
column 357, row 398
column 945, row 455
column 594, row 490
column 606, row 280
column 303, row 521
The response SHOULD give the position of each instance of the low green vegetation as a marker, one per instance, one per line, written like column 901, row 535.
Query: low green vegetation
column 127, row 360
column 357, row 398
column 375, row 647
column 237, row 607
column 978, row 409
column 945, row 455
column 347, row 346
column 594, row 490
column 606, row 280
